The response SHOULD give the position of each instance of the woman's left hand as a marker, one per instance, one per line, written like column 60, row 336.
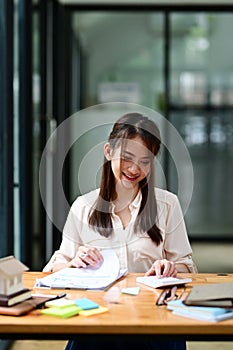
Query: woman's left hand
column 162, row 268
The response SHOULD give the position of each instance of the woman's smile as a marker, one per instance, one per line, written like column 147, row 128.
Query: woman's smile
column 130, row 178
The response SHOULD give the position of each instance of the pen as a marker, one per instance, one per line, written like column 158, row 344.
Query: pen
column 83, row 255
column 181, row 293
column 167, row 295
column 161, row 299
column 59, row 296
column 172, row 294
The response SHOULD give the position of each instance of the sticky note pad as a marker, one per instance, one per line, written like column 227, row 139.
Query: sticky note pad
column 63, row 312
column 132, row 291
column 86, row 304
column 100, row 310
column 59, row 303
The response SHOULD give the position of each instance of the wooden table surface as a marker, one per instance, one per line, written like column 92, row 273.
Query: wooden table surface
column 128, row 314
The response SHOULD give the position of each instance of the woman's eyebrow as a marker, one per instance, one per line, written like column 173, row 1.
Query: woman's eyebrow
column 133, row 155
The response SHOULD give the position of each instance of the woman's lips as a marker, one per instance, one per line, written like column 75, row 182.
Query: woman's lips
column 130, row 178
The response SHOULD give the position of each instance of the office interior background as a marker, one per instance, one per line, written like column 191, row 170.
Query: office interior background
column 61, row 57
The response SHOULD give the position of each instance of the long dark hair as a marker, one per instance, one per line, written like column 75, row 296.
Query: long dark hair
column 129, row 126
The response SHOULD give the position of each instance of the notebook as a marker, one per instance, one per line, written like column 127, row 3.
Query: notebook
column 12, row 299
column 156, row 282
column 25, row 306
column 217, row 295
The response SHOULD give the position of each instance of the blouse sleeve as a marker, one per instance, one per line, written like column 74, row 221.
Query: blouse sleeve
column 177, row 247
column 70, row 240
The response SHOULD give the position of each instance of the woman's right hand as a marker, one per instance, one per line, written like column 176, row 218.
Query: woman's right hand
column 87, row 256
column 162, row 268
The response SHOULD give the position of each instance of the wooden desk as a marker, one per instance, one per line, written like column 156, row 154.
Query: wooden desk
column 132, row 315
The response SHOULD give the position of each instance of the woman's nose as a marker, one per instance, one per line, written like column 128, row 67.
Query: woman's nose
column 134, row 168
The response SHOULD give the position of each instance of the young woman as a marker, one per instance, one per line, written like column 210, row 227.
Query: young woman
column 142, row 223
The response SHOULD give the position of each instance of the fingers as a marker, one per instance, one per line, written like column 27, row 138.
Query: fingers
column 162, row 268
column 87, row 256
column 92, row 257
column 169, row 269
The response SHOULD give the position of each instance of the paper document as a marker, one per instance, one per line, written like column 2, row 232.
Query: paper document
column 86, row 278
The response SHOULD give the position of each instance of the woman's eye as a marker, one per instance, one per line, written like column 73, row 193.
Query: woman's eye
column 145, row 162
column 126, row 158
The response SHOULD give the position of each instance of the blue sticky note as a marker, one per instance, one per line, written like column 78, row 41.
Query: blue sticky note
column 86, row 304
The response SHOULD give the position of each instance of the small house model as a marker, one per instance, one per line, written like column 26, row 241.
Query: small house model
column 11, row 275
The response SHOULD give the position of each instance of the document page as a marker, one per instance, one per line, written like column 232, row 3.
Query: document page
column 85, row 278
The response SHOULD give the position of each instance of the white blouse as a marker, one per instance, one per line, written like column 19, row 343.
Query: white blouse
column 135, row 250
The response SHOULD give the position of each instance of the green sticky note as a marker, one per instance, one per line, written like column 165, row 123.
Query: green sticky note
column 63, row 312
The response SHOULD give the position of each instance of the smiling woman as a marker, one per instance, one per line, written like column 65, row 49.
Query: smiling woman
column 143, row 224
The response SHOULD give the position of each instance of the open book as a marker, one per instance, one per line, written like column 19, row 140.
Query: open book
column 156, row 282
column 86, row 278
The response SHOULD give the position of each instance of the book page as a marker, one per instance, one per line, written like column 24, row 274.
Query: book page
column 85, row 278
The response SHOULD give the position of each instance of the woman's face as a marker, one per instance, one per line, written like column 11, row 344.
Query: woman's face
column 131, row 164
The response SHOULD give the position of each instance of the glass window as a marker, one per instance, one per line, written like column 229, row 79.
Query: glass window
column 201, row 110
column 118, row 66
column 6, row 133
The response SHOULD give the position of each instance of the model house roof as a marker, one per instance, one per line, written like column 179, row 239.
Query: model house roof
column 10, row 266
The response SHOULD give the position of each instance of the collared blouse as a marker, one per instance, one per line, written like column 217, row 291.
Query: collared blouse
column 135, row 250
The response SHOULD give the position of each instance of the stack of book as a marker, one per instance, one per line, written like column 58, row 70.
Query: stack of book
column 204, row 313
column 15, row 298
column 212, row 302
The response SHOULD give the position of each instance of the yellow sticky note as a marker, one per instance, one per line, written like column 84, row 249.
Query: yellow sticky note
column 100, row 310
